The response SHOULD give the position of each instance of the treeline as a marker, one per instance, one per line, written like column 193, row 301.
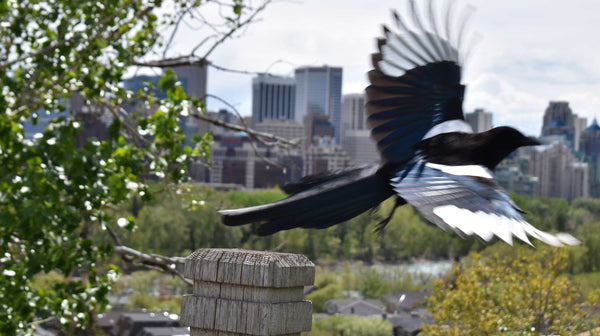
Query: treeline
column 176, row 223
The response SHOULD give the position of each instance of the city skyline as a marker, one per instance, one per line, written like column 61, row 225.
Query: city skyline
column 531, row 53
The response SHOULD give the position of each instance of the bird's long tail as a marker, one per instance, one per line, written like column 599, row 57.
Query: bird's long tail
column 317, row 201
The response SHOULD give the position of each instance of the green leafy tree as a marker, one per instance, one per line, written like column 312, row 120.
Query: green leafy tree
column 521, row 295
column 351, row 325
column 56, row 189
column 373, row 284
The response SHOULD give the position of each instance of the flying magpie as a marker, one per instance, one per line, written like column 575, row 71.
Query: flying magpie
column 431, row 158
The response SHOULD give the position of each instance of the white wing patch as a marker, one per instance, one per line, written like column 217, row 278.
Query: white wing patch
column 486, row 225
column 467, row 170
column 453, row 125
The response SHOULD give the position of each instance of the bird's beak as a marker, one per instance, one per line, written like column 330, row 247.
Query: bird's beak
column 531, row 141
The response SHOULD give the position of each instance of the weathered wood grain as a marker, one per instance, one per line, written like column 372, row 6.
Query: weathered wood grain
column 253, row 268
column 242, row 292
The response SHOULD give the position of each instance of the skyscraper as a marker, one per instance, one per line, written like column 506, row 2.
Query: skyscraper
column 319, row 90
column 559, row 119
column 589, row 144
column 193, row 79
column 356, row 136
column 560, row 173
column 272, row 98
column 479, row 120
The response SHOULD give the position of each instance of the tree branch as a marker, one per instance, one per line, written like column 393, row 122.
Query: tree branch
column 236, row 28
column 259, row 136
column 150, row 260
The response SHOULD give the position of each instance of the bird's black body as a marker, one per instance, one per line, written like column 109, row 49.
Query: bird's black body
column 486, row 149
column 430, row 156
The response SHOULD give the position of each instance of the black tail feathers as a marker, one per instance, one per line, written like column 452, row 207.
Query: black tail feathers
column 318, row 202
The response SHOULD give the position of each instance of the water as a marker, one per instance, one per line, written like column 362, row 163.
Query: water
column 420, row 271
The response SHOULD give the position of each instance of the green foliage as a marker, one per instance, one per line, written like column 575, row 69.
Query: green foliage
column 589, row 283
column 351, row 325
column 55, row 190
column 520, row 294
column 331, row 282
column 320, row 296
column 373, row 284
column 43, row 282
column 246, row 199
column 327, row 288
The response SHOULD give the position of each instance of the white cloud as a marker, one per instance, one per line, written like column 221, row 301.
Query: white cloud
column 532, row 52
column 509, row 104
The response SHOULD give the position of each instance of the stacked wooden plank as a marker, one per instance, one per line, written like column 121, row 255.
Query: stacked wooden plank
column 242, row 292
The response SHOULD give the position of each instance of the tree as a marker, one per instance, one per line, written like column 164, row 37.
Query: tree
column 56, row 189
column 351, row 325
column 524, row 294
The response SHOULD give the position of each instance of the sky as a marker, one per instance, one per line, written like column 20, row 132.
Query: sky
column 530, row 53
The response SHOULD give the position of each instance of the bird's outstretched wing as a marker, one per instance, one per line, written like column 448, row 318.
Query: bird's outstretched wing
column 415, row 84
column 467, row 200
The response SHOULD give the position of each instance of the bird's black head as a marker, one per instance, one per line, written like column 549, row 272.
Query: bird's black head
column 512, row 137
column 501, row 141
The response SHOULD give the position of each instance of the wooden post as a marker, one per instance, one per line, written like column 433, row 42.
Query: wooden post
column 242, row 292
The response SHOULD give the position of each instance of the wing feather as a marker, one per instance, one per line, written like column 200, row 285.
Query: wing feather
column 415, row 80
column 468, row 205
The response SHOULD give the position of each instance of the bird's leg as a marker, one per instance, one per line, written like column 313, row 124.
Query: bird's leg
column 399, row 201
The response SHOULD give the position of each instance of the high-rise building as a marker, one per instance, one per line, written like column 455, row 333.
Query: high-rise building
column 559, row 119
column 509, row 174
column 193, row 79
column 317, row 130
column 319, row 90
column 589, row 144
column 323, row 158
column 560, row 173
column 589, row 141
column 272, row 98
column 287, row 129
column 356, row 135
column 236, row 160
column 479, row 120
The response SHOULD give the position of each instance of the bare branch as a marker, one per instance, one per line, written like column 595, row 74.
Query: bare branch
column 173, row 33
column 236, row 28
column 150, row 260
column 113, row 235
column 48, row 319
column 172, row 62
column 199, row 45
column 258, row 136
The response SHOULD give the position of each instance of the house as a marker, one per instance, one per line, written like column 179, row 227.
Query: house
column 405, row 301
column 409, row 324
column 165, row 331
column 355, row 307
column 132, row 323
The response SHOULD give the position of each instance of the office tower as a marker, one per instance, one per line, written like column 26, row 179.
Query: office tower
column 193, row 79
column 356, row 135
column 287, row 129
column 589, row 144
column 318, row 130
column 559, row 119
column 272, row 98
column 589, row 141
column 479, row 120
column 236, row 160
column 319, row 90
column 510, row 176
column 560, row 173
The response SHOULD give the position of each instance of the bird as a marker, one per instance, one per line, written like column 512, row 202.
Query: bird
column 430, row 157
